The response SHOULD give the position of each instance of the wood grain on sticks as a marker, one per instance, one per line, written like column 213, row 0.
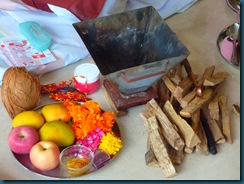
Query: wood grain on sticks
column 159, row 148
column 225, row 118
column 190, row 137
column 196, row 103
column 169, row 130
column 216, row 78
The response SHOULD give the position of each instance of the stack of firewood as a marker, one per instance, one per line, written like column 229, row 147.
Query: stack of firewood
column 182, row 120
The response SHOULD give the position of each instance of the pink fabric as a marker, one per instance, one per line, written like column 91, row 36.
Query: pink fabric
column 226, row 49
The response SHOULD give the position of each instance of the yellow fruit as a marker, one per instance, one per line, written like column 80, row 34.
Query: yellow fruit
column 58, row 132
column 55, row 112
column 28, row 118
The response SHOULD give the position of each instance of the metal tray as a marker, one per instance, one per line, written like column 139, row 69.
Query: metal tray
column 222, row 41
column 58, row 172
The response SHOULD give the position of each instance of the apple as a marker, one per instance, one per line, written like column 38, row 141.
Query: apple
column 44, row 155
column 22, row 138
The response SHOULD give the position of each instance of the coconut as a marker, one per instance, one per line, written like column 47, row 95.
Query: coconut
column 21, row 90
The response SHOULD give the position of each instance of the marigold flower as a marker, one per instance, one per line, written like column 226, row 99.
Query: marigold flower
column 110, row 143
column 87, row 117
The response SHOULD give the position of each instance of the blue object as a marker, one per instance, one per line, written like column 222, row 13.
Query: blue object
column 36, row 35
column 66, row 89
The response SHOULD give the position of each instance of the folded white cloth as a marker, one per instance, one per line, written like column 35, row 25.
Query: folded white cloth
column 66, row 45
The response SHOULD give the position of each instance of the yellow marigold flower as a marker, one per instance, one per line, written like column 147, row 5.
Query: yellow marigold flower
column 110, row 143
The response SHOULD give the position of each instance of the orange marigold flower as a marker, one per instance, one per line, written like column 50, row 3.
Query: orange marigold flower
column 88, row 117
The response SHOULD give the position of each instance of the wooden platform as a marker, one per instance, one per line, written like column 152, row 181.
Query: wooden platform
column 121, row 102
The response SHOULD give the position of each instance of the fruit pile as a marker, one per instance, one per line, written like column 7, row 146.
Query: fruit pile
column 43, row 134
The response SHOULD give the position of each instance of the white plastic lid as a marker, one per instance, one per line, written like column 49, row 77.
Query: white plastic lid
column 86, row 73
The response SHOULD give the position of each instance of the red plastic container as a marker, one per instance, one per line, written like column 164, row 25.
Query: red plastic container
column 87, row 78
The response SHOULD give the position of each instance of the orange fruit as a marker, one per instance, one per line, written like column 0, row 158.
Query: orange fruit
column 55, row 112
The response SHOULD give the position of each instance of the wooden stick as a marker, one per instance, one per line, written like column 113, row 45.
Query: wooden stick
column 189, row 136
column 196, row 103
column 164, row 93
column 195, row 119
column 145, row 116
column 207, row 73
column 176, row 74
column 189, row 72
column 183, row 88
column 203, row 146
column 213, row 108
column 159, row 148
column 176, row 157
column 216, row 78
column 225, row 118
column 168, row 129
column 216, row 131
column 151, row 160
column 150, row 157
column 170, row 85
column 197, row 127
column 188, row 98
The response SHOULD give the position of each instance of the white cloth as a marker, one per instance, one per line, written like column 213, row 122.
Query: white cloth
column 66, row 45
column 165, row 8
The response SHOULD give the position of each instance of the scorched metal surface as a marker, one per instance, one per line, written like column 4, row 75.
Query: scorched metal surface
column 133, row 48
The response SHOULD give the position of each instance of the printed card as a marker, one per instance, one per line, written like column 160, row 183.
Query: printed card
column 19, row 52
